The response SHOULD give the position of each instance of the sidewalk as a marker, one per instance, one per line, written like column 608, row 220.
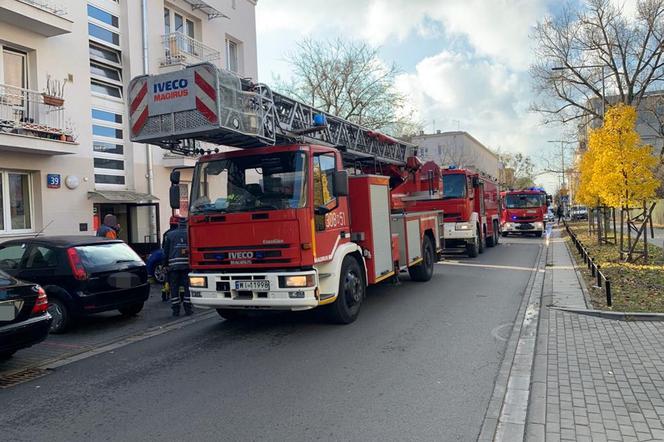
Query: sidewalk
column 593, row 378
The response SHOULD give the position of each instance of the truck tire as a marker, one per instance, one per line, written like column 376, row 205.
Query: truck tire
column 493, row 239
column 496, row 233
column 424, row 270
column 352, row 291
column 482, row 238
column 231, row 314
column 473, row 248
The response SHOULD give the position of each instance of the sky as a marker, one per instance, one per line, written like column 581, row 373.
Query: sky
column 464, row 63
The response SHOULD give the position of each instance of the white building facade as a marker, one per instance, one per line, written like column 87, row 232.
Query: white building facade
column 458, row 149
column 65, row 158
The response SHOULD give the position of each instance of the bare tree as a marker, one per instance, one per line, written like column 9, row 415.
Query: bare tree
column 522, row 166
column 601, row 55
column 349, row 80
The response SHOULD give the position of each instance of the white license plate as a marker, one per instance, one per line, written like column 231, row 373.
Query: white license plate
column 259, row 286
column 7, row 312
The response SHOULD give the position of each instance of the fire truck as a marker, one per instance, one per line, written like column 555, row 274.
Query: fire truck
column 306, row 211
column 524, row 211
column 470, row 203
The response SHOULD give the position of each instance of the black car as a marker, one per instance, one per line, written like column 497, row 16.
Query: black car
column 81, row 274
column 24, row 320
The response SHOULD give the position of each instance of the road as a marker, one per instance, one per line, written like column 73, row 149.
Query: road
column 419, row 364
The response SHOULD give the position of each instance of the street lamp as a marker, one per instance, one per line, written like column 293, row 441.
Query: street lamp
column 588, row 66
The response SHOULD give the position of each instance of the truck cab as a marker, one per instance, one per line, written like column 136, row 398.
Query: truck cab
column 524, row 212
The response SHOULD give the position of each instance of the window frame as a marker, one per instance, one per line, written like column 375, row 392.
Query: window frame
column 26, row 77
column 236, row 44
column 6, row 203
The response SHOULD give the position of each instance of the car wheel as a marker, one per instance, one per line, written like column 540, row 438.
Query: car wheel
column 60, row 314
column 346, row 307
column 4, row 355
column 160, row 273
column 131, row 310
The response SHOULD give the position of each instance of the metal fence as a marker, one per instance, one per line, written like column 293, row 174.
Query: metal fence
column 182, row 49
column 23, row 111
column 601, row 280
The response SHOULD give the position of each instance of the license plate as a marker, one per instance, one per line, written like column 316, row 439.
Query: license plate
column 7, row 312
column 259, row 286
column 525, row 227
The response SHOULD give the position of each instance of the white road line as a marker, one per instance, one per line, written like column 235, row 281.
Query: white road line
column 487, row 266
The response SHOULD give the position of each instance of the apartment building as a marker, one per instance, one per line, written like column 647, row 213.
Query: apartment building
column 459, row 149
column 65, row 155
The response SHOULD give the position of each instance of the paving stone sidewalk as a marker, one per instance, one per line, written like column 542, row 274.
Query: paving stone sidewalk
column 593, row 378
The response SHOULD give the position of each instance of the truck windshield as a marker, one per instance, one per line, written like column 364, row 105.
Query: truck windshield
column 454, row 186
column 255, row 182
column 524, row 201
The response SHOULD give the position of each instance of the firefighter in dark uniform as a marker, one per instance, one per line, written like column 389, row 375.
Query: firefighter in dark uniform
column 176, row 249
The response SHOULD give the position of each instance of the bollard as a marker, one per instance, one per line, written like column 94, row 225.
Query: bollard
column 599, row 278
column 607, row 288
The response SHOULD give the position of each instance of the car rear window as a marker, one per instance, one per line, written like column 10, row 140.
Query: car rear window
column 106, row 256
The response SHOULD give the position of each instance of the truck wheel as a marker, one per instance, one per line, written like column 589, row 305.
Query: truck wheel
column 496, row 233
column 231, row 314
column 473, row 248
column 491, row 240
column 424, row 270
column 504, row 234
column 538, row 234
column 346, row 307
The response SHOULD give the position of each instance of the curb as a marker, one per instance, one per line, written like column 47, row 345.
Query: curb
column 579, row 276
column 617, row 316
column 505, row 418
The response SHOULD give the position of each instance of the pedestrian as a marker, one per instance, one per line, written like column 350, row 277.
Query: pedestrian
column 560, row 212
column 176, row 250
column 110, row 228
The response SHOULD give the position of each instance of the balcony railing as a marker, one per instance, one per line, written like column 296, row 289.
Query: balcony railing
column 24, row 112
column 181, row 49
column 47, row 6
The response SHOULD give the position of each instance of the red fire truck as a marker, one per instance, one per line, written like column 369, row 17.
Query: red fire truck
column 306, row 213
column 524, row 211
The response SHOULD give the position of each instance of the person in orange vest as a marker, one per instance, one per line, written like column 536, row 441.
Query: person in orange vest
column 110, row 228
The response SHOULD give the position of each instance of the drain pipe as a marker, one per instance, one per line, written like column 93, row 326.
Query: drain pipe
column 148, row 148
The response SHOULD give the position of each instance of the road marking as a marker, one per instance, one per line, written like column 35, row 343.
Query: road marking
column 487, row 266
column 496, row 331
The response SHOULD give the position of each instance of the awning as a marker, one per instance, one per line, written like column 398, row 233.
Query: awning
column 121, row 197
column 211, row 11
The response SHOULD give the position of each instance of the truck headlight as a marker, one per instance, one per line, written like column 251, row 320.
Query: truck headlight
column 297, row 281
column 463, row 226
column 198, row 281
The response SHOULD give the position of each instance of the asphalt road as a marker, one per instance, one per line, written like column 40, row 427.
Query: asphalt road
column 419, row 364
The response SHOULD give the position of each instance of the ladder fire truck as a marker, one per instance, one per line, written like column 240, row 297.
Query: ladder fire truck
column 306, row 211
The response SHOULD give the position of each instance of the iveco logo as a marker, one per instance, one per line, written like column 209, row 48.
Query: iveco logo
column 240, row 255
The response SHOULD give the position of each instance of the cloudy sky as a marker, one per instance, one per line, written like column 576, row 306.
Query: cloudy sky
column 464, row 62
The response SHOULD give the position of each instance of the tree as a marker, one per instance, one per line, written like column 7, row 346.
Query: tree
column 587, row 193
column 598, row 38
column 523, row 169
column 622, row 168
column 349, row 80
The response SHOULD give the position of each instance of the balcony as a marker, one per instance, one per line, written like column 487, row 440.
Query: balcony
column 29, row 125
column 180, row 49
column 41, row 16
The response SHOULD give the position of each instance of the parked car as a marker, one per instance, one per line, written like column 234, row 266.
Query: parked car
column 24, row 320
column 579, row 212
column 81, row 275
column 156, row 266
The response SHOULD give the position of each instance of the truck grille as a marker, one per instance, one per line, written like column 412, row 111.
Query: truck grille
column 247, row 255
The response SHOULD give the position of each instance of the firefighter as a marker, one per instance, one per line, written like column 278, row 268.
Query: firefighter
column 176, row 250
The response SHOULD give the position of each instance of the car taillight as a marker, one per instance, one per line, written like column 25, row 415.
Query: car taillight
column 41, row 304
column 76, row 265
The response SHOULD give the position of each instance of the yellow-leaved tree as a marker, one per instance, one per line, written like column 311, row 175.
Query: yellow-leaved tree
column 587, row 193
column 620, row 168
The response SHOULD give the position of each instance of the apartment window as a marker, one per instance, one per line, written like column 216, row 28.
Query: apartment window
column 103, row 147
column 108, row 147
column 109, row 179
column 103, row 115
column 103, row 16
column 14, row 68
column 176, row 22
column 15, row 202
column 232, row 56
column 105, row 163
column 104, row 55
column 105, row 72
column 103, row 34
column 106, row 89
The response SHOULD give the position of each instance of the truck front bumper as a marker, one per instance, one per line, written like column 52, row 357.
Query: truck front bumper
column 460, row 231
column 537, row 226
column 220, row 290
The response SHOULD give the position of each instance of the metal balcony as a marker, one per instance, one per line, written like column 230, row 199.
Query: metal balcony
column 183, row 50
column 43, row 17
column 24, row 117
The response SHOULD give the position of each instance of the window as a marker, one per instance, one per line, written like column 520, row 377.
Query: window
column 15, row 68
column 11, row 256
column 103, row 34
column 106, row 89
column 102, row 147
column 167, row 21
column 109, row 179
column 104, row 131
column 324, row 167
column 98, row 114
column 103, row 16
column 105, row 72
column 104, row 257
column 40, row 257
column 15, row 202
column 104, row 54
column 454, row 186
column 231, row 56
column 105, row 163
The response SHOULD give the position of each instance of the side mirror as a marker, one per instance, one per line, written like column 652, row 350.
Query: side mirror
column 341, row 183
column 174, row 194
column 175, row 177
column 476, row 182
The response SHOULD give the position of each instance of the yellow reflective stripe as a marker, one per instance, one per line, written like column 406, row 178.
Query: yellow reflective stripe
column 313, row 236
column 385, row 276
